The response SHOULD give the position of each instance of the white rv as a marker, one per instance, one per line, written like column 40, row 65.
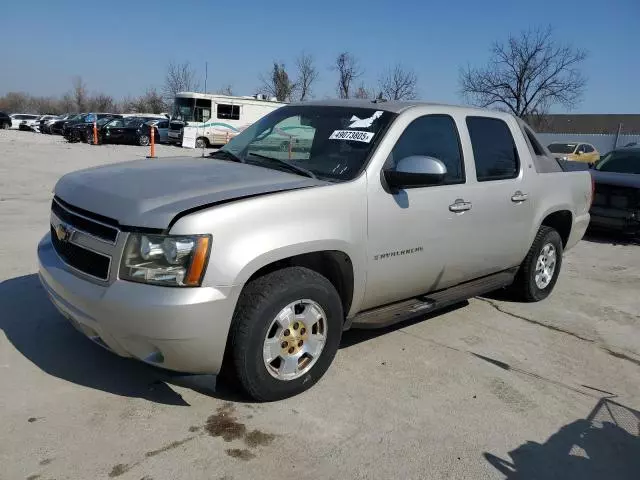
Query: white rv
column 217, row 118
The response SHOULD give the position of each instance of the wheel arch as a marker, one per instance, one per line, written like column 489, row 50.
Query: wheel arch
column 561, row 221
column 335, row 265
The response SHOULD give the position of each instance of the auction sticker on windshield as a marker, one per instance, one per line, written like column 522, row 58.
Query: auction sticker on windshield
column 353, row 135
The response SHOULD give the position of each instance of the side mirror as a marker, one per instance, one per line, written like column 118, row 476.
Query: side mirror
column 579, row 152
column 416, row 171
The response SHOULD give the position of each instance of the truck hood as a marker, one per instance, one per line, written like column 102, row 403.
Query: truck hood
column 618, row 179
column 150, row 193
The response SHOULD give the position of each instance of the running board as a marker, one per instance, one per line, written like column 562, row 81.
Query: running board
column 381, row 317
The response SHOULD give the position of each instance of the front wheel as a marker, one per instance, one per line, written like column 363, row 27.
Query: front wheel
column 202, row 142
column 285, row 332
column 539, row 271
column 143, row 140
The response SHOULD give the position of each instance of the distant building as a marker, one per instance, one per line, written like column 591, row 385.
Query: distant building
column 587, row 124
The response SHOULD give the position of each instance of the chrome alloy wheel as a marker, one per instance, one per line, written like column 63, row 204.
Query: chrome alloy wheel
column 295, row 340
column 545, row 266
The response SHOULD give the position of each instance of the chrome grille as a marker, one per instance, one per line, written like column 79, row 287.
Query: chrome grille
column 83, row 240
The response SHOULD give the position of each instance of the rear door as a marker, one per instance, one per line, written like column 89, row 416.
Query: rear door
column 501, row 216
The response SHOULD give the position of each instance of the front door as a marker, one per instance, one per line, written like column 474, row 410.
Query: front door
column 418, row 237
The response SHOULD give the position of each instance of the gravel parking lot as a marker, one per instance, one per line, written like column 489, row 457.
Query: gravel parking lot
column 488, row 389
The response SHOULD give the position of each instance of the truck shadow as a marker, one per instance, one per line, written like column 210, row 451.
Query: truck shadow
column 611, row 238
column 36, row 329
column 605, row 445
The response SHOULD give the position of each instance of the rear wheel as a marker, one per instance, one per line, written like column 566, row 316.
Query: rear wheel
column 285, row 332
column 539, row 271
column 5, row 126
column 202, row 142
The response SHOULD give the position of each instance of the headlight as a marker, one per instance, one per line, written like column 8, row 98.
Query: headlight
column 170, row 260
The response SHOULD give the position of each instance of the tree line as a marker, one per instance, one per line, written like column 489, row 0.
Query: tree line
column 527, row 75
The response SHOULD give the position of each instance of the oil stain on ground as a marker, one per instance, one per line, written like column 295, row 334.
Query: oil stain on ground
column 168, row 447
column 118, row 470
column 224, row 424
column 240, row 454
column 258, row 438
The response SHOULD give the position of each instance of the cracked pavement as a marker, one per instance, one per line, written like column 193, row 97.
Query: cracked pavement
column 486, row 389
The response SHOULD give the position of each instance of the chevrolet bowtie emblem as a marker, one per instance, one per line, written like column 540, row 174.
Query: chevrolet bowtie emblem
column 63, row 232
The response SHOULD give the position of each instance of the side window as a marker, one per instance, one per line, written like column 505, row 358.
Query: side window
column 433, row 136
column 202, row 111
column 580, row 148
column 494, row 150
column 230, row 112
column 588, row 148
column 537, row 148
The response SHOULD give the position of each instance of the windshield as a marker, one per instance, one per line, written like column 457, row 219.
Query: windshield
column 183, row 109
column 333, row 143
column 562, row 147
column 620, row 162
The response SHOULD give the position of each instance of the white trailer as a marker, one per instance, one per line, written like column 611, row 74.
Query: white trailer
column 217, row 118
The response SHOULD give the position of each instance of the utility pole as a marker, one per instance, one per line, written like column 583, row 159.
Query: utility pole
column 206, row 74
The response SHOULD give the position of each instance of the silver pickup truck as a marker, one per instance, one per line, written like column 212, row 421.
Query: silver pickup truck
column 259, row 258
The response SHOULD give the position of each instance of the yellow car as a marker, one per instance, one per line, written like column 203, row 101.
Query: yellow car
column 574, row 151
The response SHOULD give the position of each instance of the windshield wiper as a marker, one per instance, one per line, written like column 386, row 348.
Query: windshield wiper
column 226, row 155
column 290, row 166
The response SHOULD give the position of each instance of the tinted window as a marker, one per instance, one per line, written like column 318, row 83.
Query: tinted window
column 562, row 147
column 588, row 148
column 620, row 162
column 494, row 150
column 231, row 112
column 163, row 125
column 433, row 136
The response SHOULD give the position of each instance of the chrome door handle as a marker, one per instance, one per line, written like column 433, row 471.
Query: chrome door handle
column 460, row 206
column 519, row 197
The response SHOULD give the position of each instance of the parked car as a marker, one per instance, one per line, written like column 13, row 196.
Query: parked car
column 5, row 121
column 574, row 151
column 126, row 130
column 34, row 125
column 161, row 130
column 57, row 127
column 616, row 204
column 45, row 123
column 83, row 132
column 75, row 130
column 18, row 118
column 394, row 210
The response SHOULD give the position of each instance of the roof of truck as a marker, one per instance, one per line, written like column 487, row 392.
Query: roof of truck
column 394, row 106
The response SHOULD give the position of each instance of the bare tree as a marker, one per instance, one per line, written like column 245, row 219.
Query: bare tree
column 101, row 102
column 278, row 84
column 150, row 102
column 181, row 77
column 398, row 83
column 307, row 75
column 226, row 90
column 80, row 93
column 348, row 72
column 527, row 75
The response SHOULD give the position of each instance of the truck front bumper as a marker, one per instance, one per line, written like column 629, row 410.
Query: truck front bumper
column 181, row 329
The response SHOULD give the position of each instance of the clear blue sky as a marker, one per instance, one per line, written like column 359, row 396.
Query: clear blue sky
column 122, row 47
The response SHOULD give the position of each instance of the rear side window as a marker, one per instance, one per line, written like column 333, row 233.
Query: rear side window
column 433, row 136
column 537, row 148
column 231, row 112
column 163, row 125
column 494, row 150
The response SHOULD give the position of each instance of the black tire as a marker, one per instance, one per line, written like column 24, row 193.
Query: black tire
column 202, row 142
column 143, row 140
column 260, row 301
column 524, row 285
column 5, row 126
